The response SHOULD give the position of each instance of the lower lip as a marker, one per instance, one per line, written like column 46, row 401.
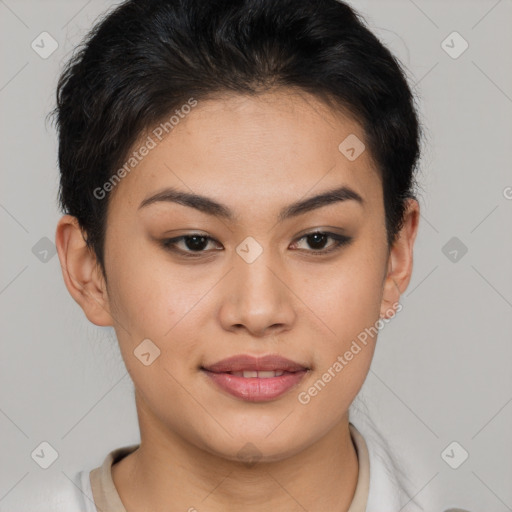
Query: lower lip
column 255, row 389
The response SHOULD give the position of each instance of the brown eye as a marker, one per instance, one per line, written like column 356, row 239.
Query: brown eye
column 318, row 239
column 193, row 243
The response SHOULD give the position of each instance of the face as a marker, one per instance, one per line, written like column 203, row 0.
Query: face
column 248, row 277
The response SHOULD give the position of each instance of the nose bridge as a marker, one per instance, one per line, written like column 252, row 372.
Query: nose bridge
column 256, row 296
column 255, row 274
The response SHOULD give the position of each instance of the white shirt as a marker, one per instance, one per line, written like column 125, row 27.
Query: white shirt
column 377, row 490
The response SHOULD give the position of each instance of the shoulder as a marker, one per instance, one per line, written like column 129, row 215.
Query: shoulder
column 388, row 483
column 390, row 488
column 51, row 492
column 387, row 493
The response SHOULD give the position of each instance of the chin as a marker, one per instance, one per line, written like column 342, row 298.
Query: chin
column 252, row 449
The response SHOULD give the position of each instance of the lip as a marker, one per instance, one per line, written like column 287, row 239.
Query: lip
column 238, row 363
column 255, row 389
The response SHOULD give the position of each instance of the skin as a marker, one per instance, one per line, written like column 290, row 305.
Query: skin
column 255, row 155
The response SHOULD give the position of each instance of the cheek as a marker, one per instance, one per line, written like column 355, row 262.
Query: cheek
column 346, row 309
column 151, row 300
column 347, row 298
column 145, row 293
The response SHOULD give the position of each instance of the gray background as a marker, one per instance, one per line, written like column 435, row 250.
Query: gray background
column 442, row 369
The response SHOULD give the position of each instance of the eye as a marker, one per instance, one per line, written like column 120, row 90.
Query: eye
column 318, row 239
column 193, row 243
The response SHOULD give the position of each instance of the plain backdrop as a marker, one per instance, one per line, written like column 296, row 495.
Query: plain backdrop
column 440, row 386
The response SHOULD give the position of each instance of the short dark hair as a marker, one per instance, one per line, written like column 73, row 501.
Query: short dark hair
column 144, row 59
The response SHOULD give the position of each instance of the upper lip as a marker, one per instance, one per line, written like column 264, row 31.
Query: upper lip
column 247, row 362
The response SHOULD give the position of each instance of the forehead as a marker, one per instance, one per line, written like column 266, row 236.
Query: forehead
column 251, row 149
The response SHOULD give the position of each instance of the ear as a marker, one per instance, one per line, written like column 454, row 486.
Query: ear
column 81, row 271
column 400, row 261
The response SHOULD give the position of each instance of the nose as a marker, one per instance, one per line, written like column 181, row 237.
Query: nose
column 257, row 298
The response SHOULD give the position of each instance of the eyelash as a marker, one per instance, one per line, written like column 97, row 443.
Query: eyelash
column 340, row 241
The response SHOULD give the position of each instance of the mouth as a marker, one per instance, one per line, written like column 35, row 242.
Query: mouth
column 251, row 374
column 255, row 379
column 247, row 363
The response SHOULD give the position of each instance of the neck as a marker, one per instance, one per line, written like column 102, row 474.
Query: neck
column 167, row 472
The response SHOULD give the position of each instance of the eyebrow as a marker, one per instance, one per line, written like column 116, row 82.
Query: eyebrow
column 211, row 207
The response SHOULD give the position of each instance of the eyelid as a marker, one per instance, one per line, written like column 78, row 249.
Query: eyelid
column 169, row 244
column 339, row 242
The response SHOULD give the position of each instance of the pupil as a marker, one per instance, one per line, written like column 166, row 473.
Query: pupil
column 195, row 246
column 317, row 236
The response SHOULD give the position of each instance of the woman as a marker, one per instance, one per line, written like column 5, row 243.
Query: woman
column 238, row 184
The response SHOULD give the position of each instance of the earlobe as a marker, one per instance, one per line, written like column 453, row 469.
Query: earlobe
column 400, row 262
column 81, row 272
